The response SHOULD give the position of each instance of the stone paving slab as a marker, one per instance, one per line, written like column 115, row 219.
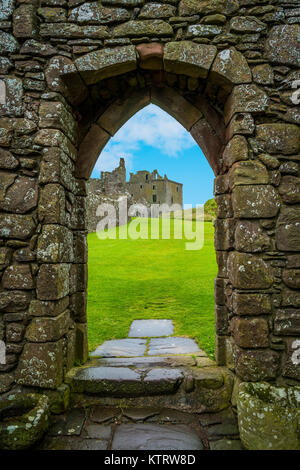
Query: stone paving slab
column 146, row 361
column 125, row 382
column 155, row 437
column 68, row 425
column 121, row 347
column 140, row 414
column 150, row 328
column 102, row 414
column 172, row 345
column 97, row 431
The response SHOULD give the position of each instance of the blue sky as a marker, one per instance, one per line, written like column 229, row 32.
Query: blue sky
column 151, row 140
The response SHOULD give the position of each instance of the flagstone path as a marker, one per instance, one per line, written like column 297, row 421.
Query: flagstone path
column 150, row 363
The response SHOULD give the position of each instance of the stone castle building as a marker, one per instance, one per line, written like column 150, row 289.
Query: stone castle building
column 143, row 187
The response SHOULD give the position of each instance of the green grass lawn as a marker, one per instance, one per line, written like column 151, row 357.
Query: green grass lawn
column 143, row 279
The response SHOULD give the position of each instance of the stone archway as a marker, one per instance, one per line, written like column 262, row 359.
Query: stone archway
column 219, row 69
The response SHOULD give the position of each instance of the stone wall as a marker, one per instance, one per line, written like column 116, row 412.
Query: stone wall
column 71, row 74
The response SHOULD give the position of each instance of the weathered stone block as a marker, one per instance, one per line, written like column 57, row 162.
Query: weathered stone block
column 55, row 244
column 53, row 281
column 288, row 229
column 78, row 306
column 78, row 278
column 263, row 74
column 255, row 201
column 224, row 233
column 292, row 359
column 71, row 30
column 279, row 138
column 5, row 257
column 232, row 67
column 98, row 65
column 14, row 301
column 290, row 298
column 221, row 320
column 203, row 30
column 39, row 308
column 7, row 160
column 58, row 68
column 245, row 99
column 224, row 206
column 241, row 123
column 20, row 196
column 248, row 271
column 157, row 10
column 289, row 189
column 194, row 7
column 42, row 330
column 291, row 278
column 53, row 15
column 248, row 172
column 282, row 45
column 52, row 204
column 93, row 13
column 82, row 351
column 89, row 149
column 14, row 332
column 18, row 277
column 6, row 9
column 287, row 322
column 16, row 226
column 246, row 24
column 8, row 44
column 154, row 28
column 55, row 115
column 56, row 167
column 250, row 237
column 25, row 22
column 189, row 58
column 221, row 184
column 41, row 365
column 268, row 416
column 250, row 333
column 13, row 105
column 55, row 138
column 251, row 304
column 256, row 365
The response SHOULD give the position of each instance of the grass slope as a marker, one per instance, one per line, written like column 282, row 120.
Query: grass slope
column 143, row 279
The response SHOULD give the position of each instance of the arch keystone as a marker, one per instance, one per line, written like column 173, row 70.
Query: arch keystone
column 189, row 58
column 106, row 63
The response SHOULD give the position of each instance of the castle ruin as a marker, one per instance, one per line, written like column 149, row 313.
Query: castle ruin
column 143, row 187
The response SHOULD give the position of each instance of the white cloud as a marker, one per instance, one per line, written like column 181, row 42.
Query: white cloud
column 152, row 127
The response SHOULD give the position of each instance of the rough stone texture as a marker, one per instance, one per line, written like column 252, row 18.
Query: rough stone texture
column 232, row 65
column 249, row 272
column 189, row 58
column 148, row 437
column 288, row 229
column 255, row 201
column 255, row 365
column 53, row 281
column 106, row 63
column 282, row 45
column 268, row 417
column 279, row 138
column 40, row 365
